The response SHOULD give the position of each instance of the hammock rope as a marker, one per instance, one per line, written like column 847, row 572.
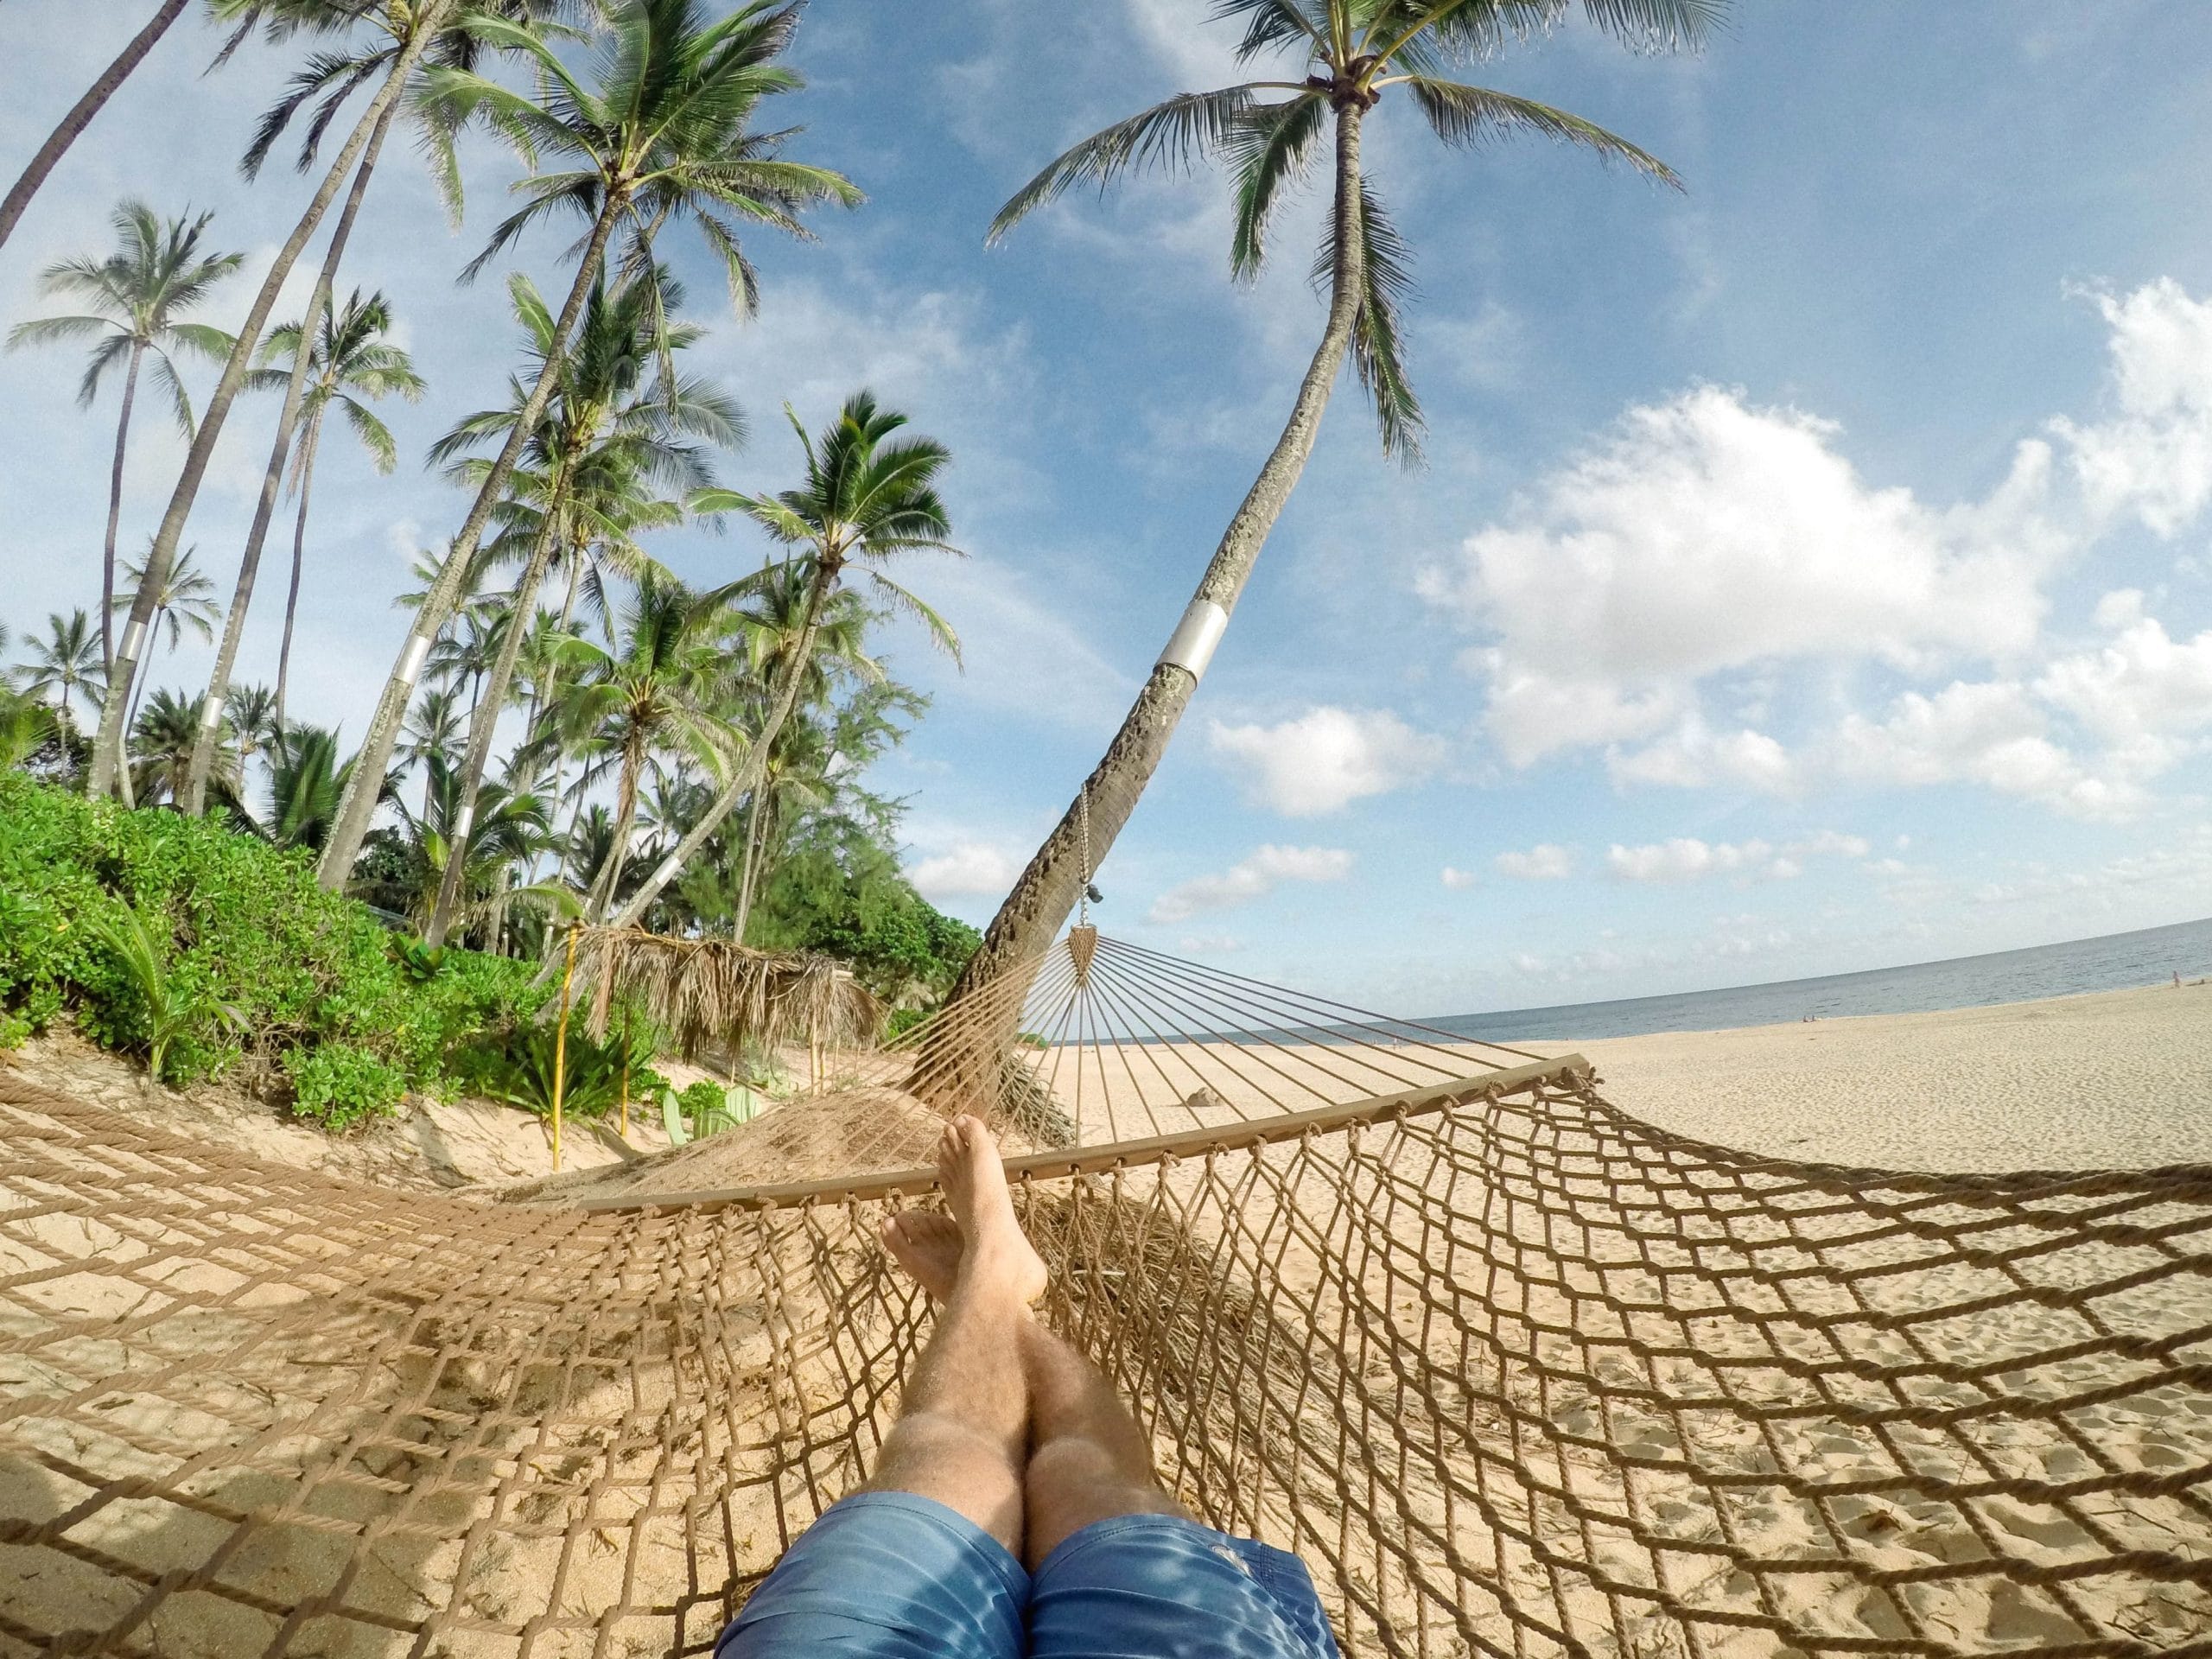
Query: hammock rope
column 1515, row 1373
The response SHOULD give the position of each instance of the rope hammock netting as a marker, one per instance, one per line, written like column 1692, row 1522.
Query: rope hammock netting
column 1516, row 1374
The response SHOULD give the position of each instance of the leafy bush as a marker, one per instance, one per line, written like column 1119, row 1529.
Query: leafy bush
column 340, row 1085
column 163, row 1008
column 252, row 961
column 516, row 1066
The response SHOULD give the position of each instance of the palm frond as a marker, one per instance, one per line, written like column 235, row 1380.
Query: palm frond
column 1173, row 135
column 1271, row 149
column 1464, row 115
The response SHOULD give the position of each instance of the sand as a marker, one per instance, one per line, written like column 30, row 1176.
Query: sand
column 431, row 1145
column 2115, row 1079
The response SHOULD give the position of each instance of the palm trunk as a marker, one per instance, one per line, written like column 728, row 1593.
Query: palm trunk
column 752, row 770
column 108, row 776
column 81, row 113
column 756, row 822
column 481, row 729
column 138, row 692
column 609, row 880
column 360, row 804
column 307, row 446
column 219, row 681
column 1047, row 890
column 115, row 512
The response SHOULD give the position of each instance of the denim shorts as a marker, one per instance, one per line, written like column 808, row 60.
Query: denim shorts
column 893, row 1575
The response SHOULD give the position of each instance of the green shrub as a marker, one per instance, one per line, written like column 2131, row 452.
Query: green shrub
column 340, row 1085
column 234, row 927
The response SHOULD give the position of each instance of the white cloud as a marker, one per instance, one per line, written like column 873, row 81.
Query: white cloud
column 1705, row 534
column 2142, row 685
column 1543, row 863
column 1267, row 868
column 1684, row 858
column 1326, row 759
column 1211, row 944
column 1460, row 880
column 2154, row 457
column 1708, row 546
column 1692, row 757
column 1991, row 733
column 966, row 870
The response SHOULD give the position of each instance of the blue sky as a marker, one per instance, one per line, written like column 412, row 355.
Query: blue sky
column 1811, row 571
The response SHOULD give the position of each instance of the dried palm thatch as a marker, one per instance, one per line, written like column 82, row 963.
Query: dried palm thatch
column 714, row 992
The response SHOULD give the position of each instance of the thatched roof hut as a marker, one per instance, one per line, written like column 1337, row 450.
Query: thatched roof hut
column 715, row 992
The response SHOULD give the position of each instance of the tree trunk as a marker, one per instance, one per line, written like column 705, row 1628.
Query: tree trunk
column 219, row 681
column 138, row 691
column 108, row 776
column 115, row 512
column 609, row 881
column 360, row 804
column 750, row 770
column 307, row 446
column 754, row 822
column 1047, row 890
column 486, row 723
column 81, row 113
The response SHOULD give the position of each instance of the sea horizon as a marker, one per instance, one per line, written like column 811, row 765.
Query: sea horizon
column 2110, row 962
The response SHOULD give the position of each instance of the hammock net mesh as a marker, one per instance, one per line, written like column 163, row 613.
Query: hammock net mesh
column 1514, row 1372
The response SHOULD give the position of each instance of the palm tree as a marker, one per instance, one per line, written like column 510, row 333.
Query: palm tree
column 68, row 658
column 604, row 434
column 665, row 132
column 427, row 20
column 305, row 780
column 82, row 111
column 26, row 726
column 162, row 739
column 504, row 829
column 326, row 81
column 184, row 599
column 350, row 362
column 1342, row 58
column 252, row 715
column 138, row 295
column 866, row 499
column 654, row 693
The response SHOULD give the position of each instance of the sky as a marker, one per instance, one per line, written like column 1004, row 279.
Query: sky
column 1811, row 570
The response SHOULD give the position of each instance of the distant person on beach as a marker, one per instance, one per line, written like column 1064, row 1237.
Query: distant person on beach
column 1013, row 1508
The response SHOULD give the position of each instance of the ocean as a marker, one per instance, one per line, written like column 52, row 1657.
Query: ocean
column 2113, row 962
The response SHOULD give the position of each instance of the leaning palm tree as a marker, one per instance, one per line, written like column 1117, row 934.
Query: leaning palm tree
column 604, row 435
column 350, row 362
column 65, row 661
column 184, row 599
column 82, row 111
column 866, row 499
column 665, row 131
column 427, row 20
column 654, row 693
column 1342, row 57
column 329, row 79
column 138, row 297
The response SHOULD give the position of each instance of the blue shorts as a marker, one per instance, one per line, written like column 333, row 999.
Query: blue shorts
column 892, row 1575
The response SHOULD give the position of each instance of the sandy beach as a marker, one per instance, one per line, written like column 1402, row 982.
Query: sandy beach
column 2114, row 1079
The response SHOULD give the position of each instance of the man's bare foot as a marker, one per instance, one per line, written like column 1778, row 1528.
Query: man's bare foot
column 994, row 1252
column 927, row 1245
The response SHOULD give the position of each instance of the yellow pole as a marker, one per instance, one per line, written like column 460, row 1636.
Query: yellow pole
column 625, row 1130
column 560, row 1043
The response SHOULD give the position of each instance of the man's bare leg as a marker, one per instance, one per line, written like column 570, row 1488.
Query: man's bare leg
column 962, row 1433
column 1088, row 1459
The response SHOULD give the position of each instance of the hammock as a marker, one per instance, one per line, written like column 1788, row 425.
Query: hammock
column 1516, row 1374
